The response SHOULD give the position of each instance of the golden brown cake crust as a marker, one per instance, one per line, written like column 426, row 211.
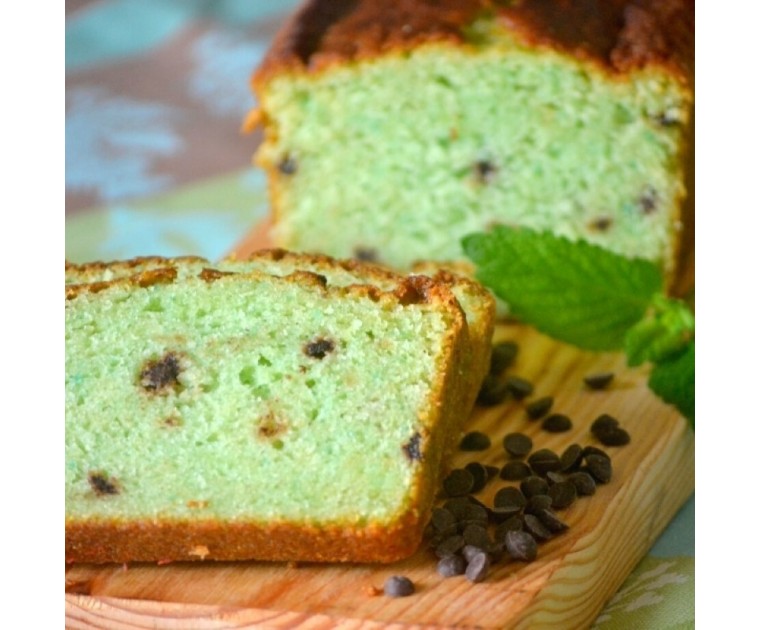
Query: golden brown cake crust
column 619, row 35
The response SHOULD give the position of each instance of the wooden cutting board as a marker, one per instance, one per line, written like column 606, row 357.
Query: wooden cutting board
column 566, row 587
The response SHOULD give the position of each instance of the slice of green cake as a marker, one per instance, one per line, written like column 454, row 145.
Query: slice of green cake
column 392, row 134
column 245, row 415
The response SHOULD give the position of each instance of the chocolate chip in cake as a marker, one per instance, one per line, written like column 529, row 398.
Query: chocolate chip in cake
column 520, row 545
column 318, row 348
column 648, row 201
column 161, row 375
column 598, row 381
column 458, row 482
column 475, row 441
column 502, row 356
column 519, row 387
column 557, row 423
column 600, row 224
column 398, row 586
column 539, row 407
column 517, row 444
column 477, row 568
column 287, row 165
column 412, row 448
column 485, row 171
column 451, row 566
column 101, row 484
column 366, row 254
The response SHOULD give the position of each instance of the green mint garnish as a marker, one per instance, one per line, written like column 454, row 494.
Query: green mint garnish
column 587, row 296
column 573, row 291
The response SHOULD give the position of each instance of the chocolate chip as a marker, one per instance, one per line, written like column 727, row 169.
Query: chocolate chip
column 552, row 522
column 555, row 477
column 517, row 444
column 538, row 502
column 598, row 381
column 474, row 513
column 513, row 523
column 534, row 526
column 533, row 485
column 287, row 165
column 412, row 448
column 593, row 450
column 502, row 356
column 562, row 494
column 492, row 471
column 519, row 387
column 543, row 460
column 520, row 545
column 615, row 437
column 475, row 441
column 515, row 470
column 101, row 484
column 509, row 496
column 162, row 374
column 366, row 254
column 557, row 423
column 484, row 171
column 469, row 551
column 458, row 482
column 583, row 482
column 539, row 407
column 477, row 568
column 571, row 458
column 451, row 566
column 479, row 475
column 318, row 348
column 492, row 392
column 476, row 536
column 442, row 520
column 450, row 546
column 398, row 586
column 600, row 467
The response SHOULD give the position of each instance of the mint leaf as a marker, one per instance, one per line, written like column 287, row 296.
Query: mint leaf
column 573, row 291
column 673, row 381
column 665, row 333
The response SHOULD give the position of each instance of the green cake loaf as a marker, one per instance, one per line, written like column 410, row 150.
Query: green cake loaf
column 227, row 415
column 391, row 134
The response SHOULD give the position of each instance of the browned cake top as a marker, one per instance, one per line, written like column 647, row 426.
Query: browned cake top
column 621, row 35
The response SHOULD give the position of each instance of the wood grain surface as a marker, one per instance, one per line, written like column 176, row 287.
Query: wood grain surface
column 566, row 587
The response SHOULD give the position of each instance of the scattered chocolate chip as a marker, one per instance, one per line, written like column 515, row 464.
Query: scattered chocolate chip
column 543, row 460
column 535, row 527
column 458, row 506
column 603, row 423
column 598, row 381
column 479, row 475
column 539, row 407
column 615, row 437
column 584, row 483
column 502, row 356
column 492, row 392
column 449, row 546
column 398, row 586
column 517, row 444
column 458, row 482
column 600, row 467
column 555, row 477
column 520, row 545
column 469, row 551
column 509, row 496
column 476, row 536
column 513, row 523
column 474, row 512
column 101, row 484
column 451, row 566
column 475, row 441
column 442, row 519
column 319, row 348
column 162, row 374
column 571, row 458
column 519, row 387
column 557, row 423
column 552, row 522
column 492, row 471
column 538, row 502
column 477, row 568
column 515, row 470
column 563, row 494
column 412, row 448
column 287, row 165
column 533, row 485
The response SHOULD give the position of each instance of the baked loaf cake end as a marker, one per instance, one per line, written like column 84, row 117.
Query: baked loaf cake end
column 390, row 134
column 223, row 415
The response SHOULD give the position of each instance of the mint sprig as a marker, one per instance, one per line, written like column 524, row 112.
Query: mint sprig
column 592, row 298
